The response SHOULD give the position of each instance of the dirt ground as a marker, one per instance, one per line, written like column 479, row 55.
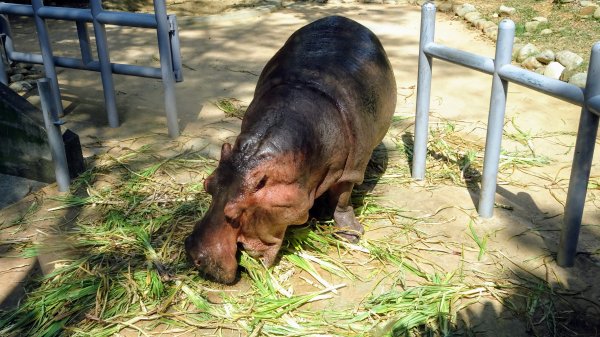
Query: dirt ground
column 223, row 56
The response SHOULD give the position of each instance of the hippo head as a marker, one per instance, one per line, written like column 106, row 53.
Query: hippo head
column 254, row 198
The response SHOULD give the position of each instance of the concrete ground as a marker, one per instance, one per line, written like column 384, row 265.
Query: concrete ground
column 223, row 56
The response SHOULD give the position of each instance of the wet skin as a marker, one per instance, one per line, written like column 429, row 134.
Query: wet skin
column 321, row 105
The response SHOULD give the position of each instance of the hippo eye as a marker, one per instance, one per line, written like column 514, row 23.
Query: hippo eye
column 233, row 222
column 261, row 183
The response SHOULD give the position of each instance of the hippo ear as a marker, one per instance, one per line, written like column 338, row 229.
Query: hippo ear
column 225, row 151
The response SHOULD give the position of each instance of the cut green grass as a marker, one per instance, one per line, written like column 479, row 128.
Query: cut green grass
column 127, row 268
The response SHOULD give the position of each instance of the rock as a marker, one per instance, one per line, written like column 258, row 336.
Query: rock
column 17, row 77
column 516, row 48
column 486, row 24
column 421, row 2
column 479, row 23
column 569, row 59
column 24, row 65
column 597, row 13
column 566, row 75
column 540, row 70
column 554, row 70
column 540, row 19
column 18, row 70
column 506, row 11
column 578, row 79
column 546, row 56
column 37, row 68
column 527, row 50
column 445, row 6
column 33, row 77
column 464, row 9
column 588, row 10
column 21, row 86
column 531, row 26
column 491, row 32
column 565, row 1
column 531, row 63
column 472, row 16
column 585, row 3
column 546, row 31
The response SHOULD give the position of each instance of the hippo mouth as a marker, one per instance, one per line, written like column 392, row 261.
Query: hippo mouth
column 213, row 271
column 267, row 254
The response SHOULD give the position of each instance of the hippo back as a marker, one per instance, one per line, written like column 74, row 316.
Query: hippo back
column 345, row 61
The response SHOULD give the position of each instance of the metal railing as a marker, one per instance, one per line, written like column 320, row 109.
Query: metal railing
column 168, row 46
column 502, row 73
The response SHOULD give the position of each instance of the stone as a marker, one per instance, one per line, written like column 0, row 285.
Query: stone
column 24, row 65
column 569, row 59
column 546, row 56
column 588, row 10
column 597, row 13
column 516, row 48
column 486, row 24
column 17, row 77
column 566, row 74
column 33, row 77
column 565, row 1
column 578, row 79
column 506, row 11
column 527, row 50
column 531, row 63
column 491, row 32
column 546, row 31
column 462, row 10
column 554, row 70
column 479, row 23
column 445, row 6
column 532, row 26
column 585, row 3
column 20, row 86
column 540, row 19
column 472, row 16
column 540, row 70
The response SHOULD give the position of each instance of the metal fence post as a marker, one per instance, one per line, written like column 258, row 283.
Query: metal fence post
column 3, row 54
column 47, row 57
column 52, row 124
column 506, row 34
column 166, row 65
column 582, row 164
column 84, row 42
column 105, row 67
column 423, row 92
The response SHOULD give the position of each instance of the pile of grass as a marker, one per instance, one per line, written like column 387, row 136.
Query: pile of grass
column 455, row 154
column 126, row 267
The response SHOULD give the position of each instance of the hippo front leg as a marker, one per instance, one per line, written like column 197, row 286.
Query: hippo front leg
column 348, row 226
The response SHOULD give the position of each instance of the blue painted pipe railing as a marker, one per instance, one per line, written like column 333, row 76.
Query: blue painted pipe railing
column 502, row 73
column 168, row 45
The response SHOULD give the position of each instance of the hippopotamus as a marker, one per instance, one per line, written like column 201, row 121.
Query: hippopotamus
column 322, row 104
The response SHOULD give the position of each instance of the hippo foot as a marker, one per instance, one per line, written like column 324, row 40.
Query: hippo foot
column 349, row 228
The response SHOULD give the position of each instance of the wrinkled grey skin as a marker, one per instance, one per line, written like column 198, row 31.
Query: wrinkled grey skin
column 321, row 105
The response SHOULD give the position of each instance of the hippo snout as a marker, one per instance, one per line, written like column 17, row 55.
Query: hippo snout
column 195, row 257
column 212, row 261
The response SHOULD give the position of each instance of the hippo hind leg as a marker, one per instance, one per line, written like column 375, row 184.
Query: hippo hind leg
column 348, row 226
